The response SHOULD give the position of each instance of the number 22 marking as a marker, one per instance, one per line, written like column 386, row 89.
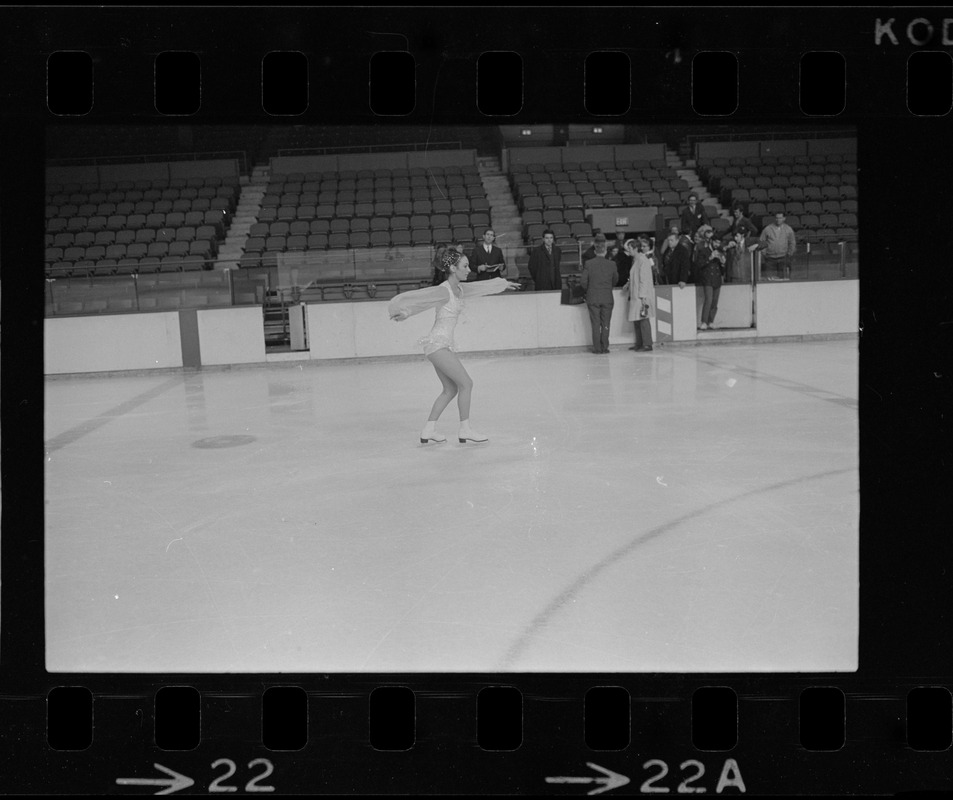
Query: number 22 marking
column 218, row 784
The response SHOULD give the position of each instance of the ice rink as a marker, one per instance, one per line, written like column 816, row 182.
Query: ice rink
column 690, row 509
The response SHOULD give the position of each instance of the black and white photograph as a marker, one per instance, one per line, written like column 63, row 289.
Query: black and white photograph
column 410, row 398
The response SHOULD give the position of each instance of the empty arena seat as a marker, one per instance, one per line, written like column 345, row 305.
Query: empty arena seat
column 847, row 220
column 572, row 201
column 400, row 237
column 164, row 235
column 149, row 264
column 317, row 241
column 532, row 204
column 422, row 207
column 580, row 229
column 421, row 236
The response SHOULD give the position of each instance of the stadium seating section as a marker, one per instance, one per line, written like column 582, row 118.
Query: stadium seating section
column 552, row 196
column 361, row 218
column 358, row 209
column 817, row 194
column 141, row 227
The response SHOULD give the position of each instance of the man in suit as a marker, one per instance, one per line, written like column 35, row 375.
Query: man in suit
column 693, row 215
column 544, row 264
column 599, row 275
column 590, row 251
column 617, row 253
column 486, row 260
column 681, row 267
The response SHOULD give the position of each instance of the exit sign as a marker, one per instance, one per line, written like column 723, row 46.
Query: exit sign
column 622, row 222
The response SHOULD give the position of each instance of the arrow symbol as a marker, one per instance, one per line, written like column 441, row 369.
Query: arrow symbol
column 612, row 780
column 176, row 783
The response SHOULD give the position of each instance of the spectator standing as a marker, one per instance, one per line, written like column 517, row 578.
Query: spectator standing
column 486, row 260
column 739, row 222
column 653, row 257
column 739, row 257
column 666, row 252
column 641, row 292
column 680, row 268
column 709, row 263
column 590, row 252
column 599, row 275
column 622, row 259
column 693, row 215
column 735, row 260
column 544, row 264
column 780, row 244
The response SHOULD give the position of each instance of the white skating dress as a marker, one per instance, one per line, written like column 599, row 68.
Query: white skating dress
column 448, row 305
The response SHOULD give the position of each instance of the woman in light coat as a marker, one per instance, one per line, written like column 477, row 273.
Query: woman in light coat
column 641, row 292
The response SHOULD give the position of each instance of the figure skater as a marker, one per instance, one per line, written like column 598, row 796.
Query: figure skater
column 438, row 345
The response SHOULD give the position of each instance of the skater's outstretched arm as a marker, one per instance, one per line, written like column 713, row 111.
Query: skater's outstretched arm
column 407, row 304
column 483, row 288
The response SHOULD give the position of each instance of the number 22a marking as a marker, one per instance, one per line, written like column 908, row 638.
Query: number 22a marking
column 252, row 786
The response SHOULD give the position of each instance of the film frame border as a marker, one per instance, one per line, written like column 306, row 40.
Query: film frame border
column 890, row 638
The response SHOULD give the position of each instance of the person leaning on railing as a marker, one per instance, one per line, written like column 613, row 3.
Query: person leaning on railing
column 780, row 244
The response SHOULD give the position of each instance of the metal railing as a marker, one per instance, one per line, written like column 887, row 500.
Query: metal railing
column 148, row 158
column 373, row 148
column 728, row 136
column 353, row 275
column 138, row 292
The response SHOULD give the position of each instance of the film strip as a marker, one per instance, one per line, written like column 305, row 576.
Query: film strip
column 884, row 727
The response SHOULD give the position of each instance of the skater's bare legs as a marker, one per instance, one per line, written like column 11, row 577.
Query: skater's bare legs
column 444, row 398
column 450, row 370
